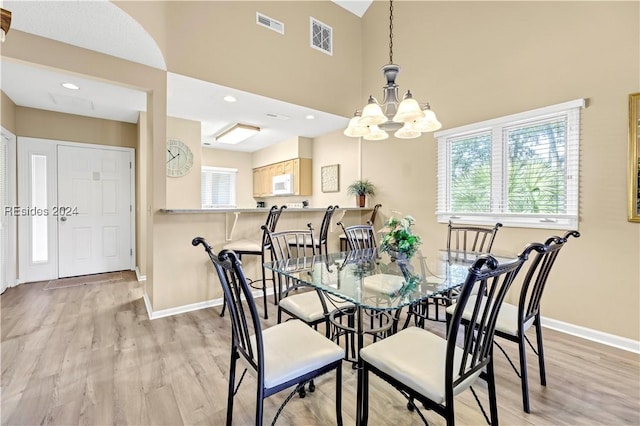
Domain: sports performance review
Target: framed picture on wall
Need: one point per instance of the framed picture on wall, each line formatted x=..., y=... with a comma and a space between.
x=330, y=178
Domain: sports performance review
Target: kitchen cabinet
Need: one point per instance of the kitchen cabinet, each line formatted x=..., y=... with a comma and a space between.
x=300, y=168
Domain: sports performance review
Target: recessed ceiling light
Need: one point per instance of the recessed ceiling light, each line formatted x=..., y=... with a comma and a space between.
x=70, y=86
x=310, y=117
x=229, y=98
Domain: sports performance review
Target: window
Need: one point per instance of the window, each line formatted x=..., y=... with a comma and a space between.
x=521, y=170
x=218, y=187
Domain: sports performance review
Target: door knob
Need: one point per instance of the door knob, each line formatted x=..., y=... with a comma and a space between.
x=63, y=219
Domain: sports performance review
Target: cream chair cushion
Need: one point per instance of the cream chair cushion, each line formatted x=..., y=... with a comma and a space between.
x=417, y=358
x=244, y=246
x=292, y=349
x=308, y=307
x=507, y=322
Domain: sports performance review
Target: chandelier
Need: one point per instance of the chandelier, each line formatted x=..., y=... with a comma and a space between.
x=409, y=119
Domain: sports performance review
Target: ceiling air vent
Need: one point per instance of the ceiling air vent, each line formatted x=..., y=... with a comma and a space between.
x=270, y=23
x=321, y=36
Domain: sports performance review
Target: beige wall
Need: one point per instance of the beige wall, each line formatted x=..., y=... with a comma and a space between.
x=240, y=54
x=235, y=160
x=183, y=192
x=471, y=60
x=335, y=148
x=8, y=115
x=481, y=60
x=38, y=123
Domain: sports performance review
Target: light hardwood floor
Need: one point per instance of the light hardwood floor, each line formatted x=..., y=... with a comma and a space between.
x=89, y=355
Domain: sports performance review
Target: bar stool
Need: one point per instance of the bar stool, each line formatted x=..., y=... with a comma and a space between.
x=320, y=243
x=371, y=221
x=259, y=248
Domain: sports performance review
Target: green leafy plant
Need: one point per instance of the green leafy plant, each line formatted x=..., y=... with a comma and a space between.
x=362, y=187
x=398, y=236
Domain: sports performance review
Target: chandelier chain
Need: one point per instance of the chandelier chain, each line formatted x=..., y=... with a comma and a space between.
x=391, y=31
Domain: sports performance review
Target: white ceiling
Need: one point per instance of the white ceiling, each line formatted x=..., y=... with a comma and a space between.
x=37, y=87
x=202, y=101
x=101, y=26
x=357, y=7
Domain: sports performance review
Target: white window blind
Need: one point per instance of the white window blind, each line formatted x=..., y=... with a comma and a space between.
x=218, y=187
x=521, y=170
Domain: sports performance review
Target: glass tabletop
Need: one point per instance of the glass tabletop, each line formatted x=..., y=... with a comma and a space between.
x=373, y=280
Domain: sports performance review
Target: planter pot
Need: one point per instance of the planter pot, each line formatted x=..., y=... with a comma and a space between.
x=361, y=200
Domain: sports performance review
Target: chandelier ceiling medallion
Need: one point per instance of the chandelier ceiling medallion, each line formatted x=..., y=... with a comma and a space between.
x=409, y=119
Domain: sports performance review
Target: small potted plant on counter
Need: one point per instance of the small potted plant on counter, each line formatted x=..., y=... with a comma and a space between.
x=361, y=188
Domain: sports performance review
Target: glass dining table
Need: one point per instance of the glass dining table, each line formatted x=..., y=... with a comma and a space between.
x=375, y=283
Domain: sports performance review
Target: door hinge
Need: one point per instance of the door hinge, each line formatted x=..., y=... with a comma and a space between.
x=130, y=208
x=131, y=252
x=129, y=164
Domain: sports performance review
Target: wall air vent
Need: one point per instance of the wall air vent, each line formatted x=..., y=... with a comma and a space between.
x=270, y=23
x=321, y=36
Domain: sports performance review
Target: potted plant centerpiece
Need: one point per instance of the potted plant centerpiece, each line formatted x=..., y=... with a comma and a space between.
x=361, y=188
x=398, y=238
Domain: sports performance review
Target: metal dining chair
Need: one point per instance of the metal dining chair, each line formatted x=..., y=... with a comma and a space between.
x=296, y=250
x=477, y=239
x=514, y=320
x=443, y=368
x=286, y=355
x=460, y=238
x=359, y=237
x=343, y=238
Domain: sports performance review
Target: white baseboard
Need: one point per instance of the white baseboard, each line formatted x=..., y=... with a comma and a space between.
x=593, y=335
x=140, y=277
x=563, y=327
x=191, y=307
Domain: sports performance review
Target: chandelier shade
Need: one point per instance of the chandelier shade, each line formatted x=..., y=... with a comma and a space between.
x=355, y=129
x=408, y=119
x=376, y=134
x=5, y=23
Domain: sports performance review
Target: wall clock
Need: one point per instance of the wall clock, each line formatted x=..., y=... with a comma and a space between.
x=179, y=158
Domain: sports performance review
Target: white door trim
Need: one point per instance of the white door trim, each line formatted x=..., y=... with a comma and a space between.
x=54, y=144
x=11, y=248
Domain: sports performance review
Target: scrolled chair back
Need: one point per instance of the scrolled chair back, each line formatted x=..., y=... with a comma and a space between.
x=323, y=237
x=272, y=220
x=485, y=276
x=537, y=275
x=245, y=321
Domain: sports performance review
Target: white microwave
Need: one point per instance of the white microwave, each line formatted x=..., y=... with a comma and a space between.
x=282, y=185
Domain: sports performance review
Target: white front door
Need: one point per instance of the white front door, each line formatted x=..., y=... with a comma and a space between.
x=93, y=210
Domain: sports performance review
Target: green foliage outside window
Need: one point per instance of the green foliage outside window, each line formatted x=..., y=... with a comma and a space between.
x=535, y=182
